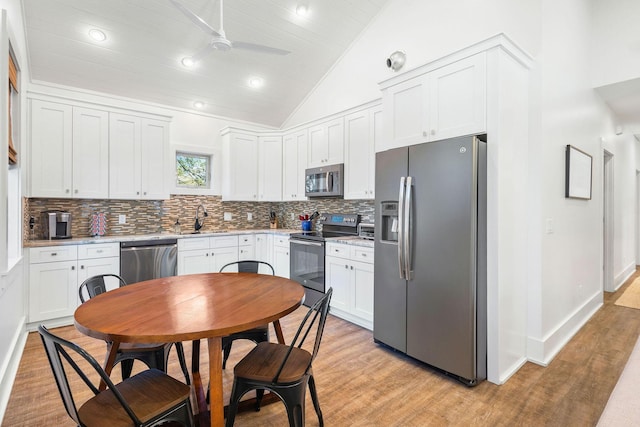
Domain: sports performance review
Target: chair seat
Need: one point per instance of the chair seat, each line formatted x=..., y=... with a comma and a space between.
x=262, y=363
x=148, y=393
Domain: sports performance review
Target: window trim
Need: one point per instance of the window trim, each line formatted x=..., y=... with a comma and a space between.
x=196, y=151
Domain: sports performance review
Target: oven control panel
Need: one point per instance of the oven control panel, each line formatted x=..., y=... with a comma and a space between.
x=347, y=220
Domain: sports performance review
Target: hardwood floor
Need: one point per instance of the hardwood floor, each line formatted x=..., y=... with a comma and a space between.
x=363, y=384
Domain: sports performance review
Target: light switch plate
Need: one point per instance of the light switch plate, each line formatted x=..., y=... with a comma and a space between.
x=249, y=217
x=122, y=219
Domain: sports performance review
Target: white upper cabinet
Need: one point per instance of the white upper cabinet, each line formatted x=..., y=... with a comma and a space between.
x=69, y=151
x=137, y=150
x=361, y=130
x=326, y=143
x=239, y=166
x=295, y=162
x=446, y=102
x=270, y=168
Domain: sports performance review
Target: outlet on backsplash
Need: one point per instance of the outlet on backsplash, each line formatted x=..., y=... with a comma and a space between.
x=227, y=216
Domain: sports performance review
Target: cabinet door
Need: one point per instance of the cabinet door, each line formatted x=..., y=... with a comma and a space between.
x=457, y=97
x=246, y=253
x=124, y=156
x=194, y=262
x=94, y=266
x=338, y=277
x=51, y=149
x=263, y=248
x=240, y=165
x=326, y=143
x=153, y=150
x=281, y=261
x=53, y=290
x=270, y=169
x=362, y=290
x=359, y=152
x=222, y=256
x=90, y=153
x=295, y=164
x=405, y=107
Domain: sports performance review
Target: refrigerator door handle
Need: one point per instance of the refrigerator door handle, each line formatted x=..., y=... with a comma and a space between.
x=407, y=229
x=401, y=261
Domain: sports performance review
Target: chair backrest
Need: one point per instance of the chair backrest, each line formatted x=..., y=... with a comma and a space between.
x=249, y=266
x=319, y=310
x=95, y=285
x=58, y=348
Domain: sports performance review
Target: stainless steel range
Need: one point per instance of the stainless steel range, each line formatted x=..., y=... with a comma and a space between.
x=307, y=252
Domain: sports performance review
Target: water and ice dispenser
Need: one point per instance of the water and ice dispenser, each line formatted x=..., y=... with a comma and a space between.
x=389, y=229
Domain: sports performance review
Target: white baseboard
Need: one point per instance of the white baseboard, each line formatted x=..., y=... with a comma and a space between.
x=9, y=371
x=542, y=351
x=624, y=275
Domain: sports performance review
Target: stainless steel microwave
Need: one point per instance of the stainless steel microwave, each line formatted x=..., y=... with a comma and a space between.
x=325, y=181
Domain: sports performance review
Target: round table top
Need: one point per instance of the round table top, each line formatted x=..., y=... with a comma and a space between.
x=189, y=307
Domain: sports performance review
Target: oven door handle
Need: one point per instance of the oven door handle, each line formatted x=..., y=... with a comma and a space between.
x=300, y=242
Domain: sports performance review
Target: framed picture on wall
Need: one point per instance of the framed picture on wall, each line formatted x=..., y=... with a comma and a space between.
x=579, y=167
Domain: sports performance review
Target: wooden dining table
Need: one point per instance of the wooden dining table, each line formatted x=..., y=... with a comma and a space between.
x=190, y=308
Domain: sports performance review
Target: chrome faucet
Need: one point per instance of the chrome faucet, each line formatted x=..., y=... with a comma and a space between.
x=199, y=223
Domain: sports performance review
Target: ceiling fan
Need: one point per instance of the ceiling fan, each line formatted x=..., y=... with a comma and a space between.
x=219, y=40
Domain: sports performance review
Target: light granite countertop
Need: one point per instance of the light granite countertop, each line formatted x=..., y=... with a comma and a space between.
x=127, y=238
x=352, y=240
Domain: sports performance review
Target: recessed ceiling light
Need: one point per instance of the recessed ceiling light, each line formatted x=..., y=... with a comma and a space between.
x=256, y=82
x=199, y=105
x=97, y=35
x=302, y=10
x=188, y=62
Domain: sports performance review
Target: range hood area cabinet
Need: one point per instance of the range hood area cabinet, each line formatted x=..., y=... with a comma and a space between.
x=80, y=152
x=251, y=166
x=69, y=151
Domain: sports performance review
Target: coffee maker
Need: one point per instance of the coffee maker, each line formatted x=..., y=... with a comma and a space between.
x=56, y=224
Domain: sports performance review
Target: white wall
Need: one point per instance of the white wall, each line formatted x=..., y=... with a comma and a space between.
x=616, y=45
x=12, y=287
x=425, y=30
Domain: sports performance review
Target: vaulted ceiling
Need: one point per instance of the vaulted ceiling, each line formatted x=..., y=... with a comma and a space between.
x=147, y=39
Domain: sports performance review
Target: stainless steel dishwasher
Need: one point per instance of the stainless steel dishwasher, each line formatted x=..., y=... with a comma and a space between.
x=148, y=259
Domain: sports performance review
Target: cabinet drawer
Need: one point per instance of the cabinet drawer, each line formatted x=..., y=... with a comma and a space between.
x=246, y=239
x=337, y=250
x=53, y=253
x=193, y=244
x=362, y=254
x=100, y=250
x=281, y=241
x=223, y=242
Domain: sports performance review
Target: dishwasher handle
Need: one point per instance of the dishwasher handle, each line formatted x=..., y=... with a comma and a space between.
x=148, y=243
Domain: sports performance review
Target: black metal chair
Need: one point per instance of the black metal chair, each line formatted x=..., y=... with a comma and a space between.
x=258, y=334
x=283, y=369
x=147, y=399
x=153, y=355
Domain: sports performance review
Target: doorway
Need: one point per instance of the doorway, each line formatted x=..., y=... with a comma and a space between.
x=607, y=219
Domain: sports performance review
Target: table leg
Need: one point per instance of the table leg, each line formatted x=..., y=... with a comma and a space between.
x=216, y=402
x=278, y=328
x=112, y=352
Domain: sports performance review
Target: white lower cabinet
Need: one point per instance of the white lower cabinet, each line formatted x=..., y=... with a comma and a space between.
x=206, y=254
x=247, y=247
x=281, y=256
x=56, y=272
x=349, y=271
x=264, y=247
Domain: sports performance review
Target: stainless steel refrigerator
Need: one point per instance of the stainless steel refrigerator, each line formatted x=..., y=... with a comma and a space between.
x=430, y=254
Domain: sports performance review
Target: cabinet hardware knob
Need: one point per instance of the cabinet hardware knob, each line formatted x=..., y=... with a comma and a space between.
x=352, y=267
x=424, y=133
x=364, y=255
x=137, y=193
x=346, y=266
x=99, y=251
x=145, y=193
x=82, y=267
x=73, y=267
x=66, y=191
x=207, y=254
x=75, y=191
x=433, y=131
x=54, y=253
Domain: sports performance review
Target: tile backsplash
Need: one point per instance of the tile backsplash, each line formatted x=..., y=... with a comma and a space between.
x=157, y=216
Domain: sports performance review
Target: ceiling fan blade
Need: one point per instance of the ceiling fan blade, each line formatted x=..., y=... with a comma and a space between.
x=259, y=48
x=201, y=23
